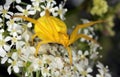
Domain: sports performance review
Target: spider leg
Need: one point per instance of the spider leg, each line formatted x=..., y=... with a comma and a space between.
x=75, y=34
x=39, y=44
x=70, y=54
x=86, y=37
x=26, y=18
x=77, y=37
x=33, y=37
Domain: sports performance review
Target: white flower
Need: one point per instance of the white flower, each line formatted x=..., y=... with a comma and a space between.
x=93, y=51
x=15, y=39
x=27, y=53
x=60, y=11
x=36, y=64
x=3, y=45
x=1, y=31
x=13, y=27
x=15, y=63
x=18, y=1
x=26, y=36
x=94, y=55
x=27, y=11
x=8, y=2
x=57, y=63
x=37, y=2
x=47, y=59
x=47, y=48
x=56, y=73
x=4, y=11
x=4, y=59
x=36, y=7
x=47, y=6
x=83, y=57
x=11, y=22
x=94, y=47
x=45, y=71
x=66, y=72
x=85, y=72
x=0, y=20
x=29, y=25
x=103, y=71
x=51, y=1
x=2, y=52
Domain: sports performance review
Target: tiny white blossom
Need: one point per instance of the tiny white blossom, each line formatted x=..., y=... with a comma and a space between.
x=27, y=11
x=26, y=36
x=9, y=2
x=4, y=11
x=83, y=56
x=51, y=1
x=36, y=64
x=60, y=11
x=36, y=7
x=15, y=39
x=93, y=51
x=94, y=55
x=3, y=60
x=45, y=72
x=103, y=71
x=57, y=63
x=25, y=55
x=37, y=2
x=0, y=20
x=3, y=45
x=1, y=31
x=15, y=63
x=47, y=6
x=13, y=27
x=11, y=22
x=85, y=72
x=29, y=25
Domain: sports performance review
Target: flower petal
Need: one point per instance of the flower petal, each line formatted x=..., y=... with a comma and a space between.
x=15, y=56
x=89, y=70
x=19, y=8
x=2, y=52
x=9, y=69
x=42, y=13
x=7, y=47
x=3, y=60
x=18, y=1
x=28, y=7
x=16, y=69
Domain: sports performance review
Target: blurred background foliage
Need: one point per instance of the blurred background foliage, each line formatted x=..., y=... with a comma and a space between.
x=108, y=33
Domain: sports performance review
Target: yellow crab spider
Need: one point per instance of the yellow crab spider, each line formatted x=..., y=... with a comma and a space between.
x=53, y=30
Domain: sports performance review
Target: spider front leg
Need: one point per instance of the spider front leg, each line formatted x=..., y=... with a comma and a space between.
x=33, y=37
x=69, y=54
x=39, y=44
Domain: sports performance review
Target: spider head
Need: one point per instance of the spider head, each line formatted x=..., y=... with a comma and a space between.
x=63, y=39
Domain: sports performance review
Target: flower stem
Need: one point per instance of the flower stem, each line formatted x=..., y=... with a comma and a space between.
x=37, y=74
x=23, y=3
x=3, y=22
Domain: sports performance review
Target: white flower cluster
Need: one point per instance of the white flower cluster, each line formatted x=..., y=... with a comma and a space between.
x=16, y=46
x=40, y=6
